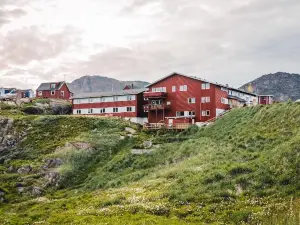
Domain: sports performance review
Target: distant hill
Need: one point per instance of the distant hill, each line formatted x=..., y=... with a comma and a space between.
x=283, y=86
x=96, y=83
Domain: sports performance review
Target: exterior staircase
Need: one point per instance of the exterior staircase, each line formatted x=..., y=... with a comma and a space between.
x=212, y=120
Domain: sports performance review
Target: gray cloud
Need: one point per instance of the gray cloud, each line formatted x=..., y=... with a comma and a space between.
x=229, y=41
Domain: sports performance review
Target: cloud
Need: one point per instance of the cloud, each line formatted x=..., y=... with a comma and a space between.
x=229, y=41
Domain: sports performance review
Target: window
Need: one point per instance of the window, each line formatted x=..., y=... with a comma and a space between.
x=153, y=90
x=102, y=110
x=173, y=88
x=90, y=100
x=78, y=101
x=159, y=89
x=115, y=110
x=115, y=98
x=52, y=92
x=205, y=113
x=164, y=89
x=156, y=102
x=53, y=85
x=205, y=99
x=192, y=113
x=179, y=114
x=40, y=93
x=90, y=111
x=168, y=103
x=224, y=100
x=78, y=111
x=191, y=100
x=205, y=86
x=129, y=109
x=129, y=98
x=183, y=88
x=62, y=93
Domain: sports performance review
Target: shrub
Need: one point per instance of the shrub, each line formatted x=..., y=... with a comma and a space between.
x=31, y=110
x=61, y=109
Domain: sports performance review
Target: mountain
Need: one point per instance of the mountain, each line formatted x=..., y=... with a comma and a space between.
x=283, y=86
x=99, y=83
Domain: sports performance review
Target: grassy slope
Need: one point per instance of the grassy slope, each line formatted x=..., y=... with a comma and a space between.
x=243, y=169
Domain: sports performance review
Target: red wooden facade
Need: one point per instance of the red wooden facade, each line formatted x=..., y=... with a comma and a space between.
x=125, y=103
x=179, y=98
x=59, y=91
x=265, y=99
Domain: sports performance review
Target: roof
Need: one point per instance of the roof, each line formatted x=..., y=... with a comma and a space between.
x=47, y=86
x=236, y=98
x=110, y=93
x=203, y=80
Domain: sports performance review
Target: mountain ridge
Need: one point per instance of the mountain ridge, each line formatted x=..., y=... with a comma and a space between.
x=282, y=85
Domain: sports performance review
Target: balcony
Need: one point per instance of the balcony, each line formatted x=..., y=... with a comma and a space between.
x=153, y=95
x=150, y=107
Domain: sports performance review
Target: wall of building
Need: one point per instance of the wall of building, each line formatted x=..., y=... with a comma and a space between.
x=56, y=93
x=178, y=100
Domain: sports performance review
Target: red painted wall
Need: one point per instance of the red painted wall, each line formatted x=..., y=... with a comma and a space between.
x=179, y=99
x=47, y=94
x=218, y=99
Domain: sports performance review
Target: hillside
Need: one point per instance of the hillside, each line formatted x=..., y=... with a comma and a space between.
x=100, y=83
x=244, y=169
x=283, y=86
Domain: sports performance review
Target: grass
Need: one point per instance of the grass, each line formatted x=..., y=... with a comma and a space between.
x=243, y=169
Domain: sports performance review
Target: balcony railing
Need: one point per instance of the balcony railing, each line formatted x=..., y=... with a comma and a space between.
x=155, y=95
x=150, y=107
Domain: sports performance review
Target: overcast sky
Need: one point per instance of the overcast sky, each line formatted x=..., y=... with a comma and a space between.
x=227, y=41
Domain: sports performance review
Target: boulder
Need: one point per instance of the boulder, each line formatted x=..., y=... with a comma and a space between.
x=24, y=170
x=147, y=144
x=52, y=178
x=130, y=130
x=36, y=191
x=52, y=163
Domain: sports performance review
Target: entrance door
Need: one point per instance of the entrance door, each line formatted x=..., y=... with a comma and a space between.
x=171, y=121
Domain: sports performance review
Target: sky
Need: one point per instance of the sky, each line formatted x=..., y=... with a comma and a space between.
x=230, y=42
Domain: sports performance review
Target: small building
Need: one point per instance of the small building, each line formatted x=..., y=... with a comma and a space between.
x=124, y=103
x=4, y=91
x=179, y=99
x=29, y=93
x=58, y=90
x=265, y=99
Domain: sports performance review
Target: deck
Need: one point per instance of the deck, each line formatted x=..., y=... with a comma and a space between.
x=160, y=126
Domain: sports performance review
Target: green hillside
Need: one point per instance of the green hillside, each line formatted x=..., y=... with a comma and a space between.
x=244, y=169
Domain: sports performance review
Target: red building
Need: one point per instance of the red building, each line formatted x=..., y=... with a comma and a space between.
x=54, y=90
x=125, y=103
x=265, y=99
x=181, y=99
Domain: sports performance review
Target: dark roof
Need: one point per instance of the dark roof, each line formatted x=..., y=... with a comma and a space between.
x=203, y=80
x=236, y=98
x=47, y=86
x=110, y=93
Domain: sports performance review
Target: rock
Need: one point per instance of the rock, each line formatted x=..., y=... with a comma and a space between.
x=147, y=144
x=20, y=190
x=52, y=178
x=52, y=163
x=2, y=193
x=130, y=130
x=122, y=137
x=24, y=170
x=36, y=191
x=11, y=169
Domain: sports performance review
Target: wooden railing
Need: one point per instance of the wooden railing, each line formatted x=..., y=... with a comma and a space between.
x=159, y=126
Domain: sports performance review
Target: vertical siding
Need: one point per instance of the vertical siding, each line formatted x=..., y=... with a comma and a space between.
x=179, y=99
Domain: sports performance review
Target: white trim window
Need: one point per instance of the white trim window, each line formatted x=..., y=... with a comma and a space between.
x=205, y=86
x=62, y=94
x=205, y=99
x=102, y=110
x=53, y=85
x=205, y=113
x=40, y=93
x=90, y=100
x=78, y=111
x=52, y=92
x=78, y=101
x=173, y=88
x=183, y=88
x=224, y=101
x=179, y=114
x=191, y=100
x=115, y=98
x=90, y=111
x=115, y=110
x=129, y=109
x=192, y=113
x=129, y=98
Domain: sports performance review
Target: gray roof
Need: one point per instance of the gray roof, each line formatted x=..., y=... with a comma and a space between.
x=47, y=86
x=203, y=80
x=110, y=93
